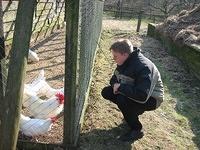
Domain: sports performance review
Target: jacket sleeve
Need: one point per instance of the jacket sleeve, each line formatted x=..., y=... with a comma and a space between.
x=113, y=80
x=139, y=91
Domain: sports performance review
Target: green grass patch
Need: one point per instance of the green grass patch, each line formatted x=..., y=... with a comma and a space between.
x=181, y=106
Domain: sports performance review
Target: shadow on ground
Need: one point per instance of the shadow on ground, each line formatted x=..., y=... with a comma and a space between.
x=102, y=139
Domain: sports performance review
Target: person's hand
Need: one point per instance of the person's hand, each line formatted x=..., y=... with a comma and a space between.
x=115, y=88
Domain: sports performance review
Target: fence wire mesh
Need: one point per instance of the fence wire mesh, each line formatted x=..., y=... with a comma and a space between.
x=90, y=28
x=43, y=90
x=48, y=16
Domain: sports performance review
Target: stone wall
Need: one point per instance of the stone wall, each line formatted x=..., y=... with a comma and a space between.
x=189, y=55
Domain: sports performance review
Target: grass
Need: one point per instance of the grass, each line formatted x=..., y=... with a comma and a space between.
x=178, y=110
x=174, y=125
x=181, y=107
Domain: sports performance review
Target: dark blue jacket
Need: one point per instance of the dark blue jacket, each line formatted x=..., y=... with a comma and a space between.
x=139, y=78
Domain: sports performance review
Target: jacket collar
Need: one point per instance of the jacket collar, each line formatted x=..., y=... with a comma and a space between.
x=132, y=55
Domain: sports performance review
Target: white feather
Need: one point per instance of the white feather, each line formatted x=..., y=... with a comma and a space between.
x=41, y=108
x=28, y=96
x=44, y=109
x=41, y=87
x=34, y=127
x=33, y=56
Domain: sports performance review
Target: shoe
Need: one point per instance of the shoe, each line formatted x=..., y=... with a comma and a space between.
x=131, y=136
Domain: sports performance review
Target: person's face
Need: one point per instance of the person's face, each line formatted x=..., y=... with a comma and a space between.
x=119, y=58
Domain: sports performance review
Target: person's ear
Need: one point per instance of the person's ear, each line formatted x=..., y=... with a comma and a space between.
x=125, y=54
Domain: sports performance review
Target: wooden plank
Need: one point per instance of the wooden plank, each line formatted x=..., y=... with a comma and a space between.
x=71, y=55
x=16, y=74
x=2, y=52
x=2, y=46
x=2, y=69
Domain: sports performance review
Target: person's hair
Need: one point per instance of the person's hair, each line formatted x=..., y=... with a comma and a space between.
x=122, y=46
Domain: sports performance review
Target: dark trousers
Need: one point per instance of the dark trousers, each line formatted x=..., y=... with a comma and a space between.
x=130, y=109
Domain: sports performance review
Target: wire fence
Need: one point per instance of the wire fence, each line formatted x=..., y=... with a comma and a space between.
x=48, y=16
x=90, y=28
x=132, y=12
x=43, y=93
x=40, y=103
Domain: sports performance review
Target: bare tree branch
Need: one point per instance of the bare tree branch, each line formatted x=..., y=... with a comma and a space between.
x=157, y=8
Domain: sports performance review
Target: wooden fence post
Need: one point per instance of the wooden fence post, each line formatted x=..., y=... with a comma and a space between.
x=2, y=52
x=139, y=21
x=71, y=56
x=121, y=8
x=16, y=74
x=2, y=69
x=154, y=19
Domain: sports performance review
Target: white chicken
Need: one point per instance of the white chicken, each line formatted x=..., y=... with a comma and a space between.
x=33, y=56
x=28, y=95
x=35, y=127
x=41, y=87
x=44, y=109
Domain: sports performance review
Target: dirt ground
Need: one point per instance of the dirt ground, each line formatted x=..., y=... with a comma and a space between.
x=184, y=28
x=51, y=53
x=169, y=127
x=163, y=128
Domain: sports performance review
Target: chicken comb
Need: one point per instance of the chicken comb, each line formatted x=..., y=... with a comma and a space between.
x=60, y=97
x=53, y=119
